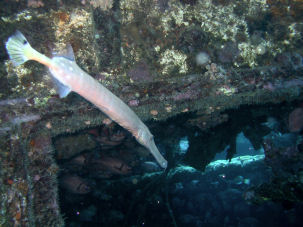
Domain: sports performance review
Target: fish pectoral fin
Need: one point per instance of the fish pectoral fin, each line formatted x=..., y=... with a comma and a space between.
x=61, y=89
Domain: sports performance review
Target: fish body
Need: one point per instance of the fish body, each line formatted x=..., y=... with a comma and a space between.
x=111, y=165
x=75, y=184
x=70, y=77
x=150, y=167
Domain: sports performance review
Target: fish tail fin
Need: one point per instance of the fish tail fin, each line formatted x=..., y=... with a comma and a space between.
x=18, y=48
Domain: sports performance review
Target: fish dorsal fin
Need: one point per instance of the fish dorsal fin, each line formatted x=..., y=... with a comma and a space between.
x=66, y=53
x=61, y=89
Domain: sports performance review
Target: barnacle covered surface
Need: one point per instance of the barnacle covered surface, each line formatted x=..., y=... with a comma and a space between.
x=145, y=53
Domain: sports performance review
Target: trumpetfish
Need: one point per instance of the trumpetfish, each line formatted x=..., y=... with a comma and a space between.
x=68, y=76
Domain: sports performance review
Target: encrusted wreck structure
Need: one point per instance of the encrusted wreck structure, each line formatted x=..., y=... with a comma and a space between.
x=207, y=61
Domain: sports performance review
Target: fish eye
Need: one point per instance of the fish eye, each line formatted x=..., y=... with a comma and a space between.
x=24, y=42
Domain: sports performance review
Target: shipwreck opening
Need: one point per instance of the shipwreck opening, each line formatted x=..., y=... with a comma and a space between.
x=106, y=177
x=103, y=176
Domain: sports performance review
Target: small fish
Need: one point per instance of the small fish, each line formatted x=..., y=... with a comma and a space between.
x=110, y=165
x=150, y=167
x=75, y=184
x=68, y=77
